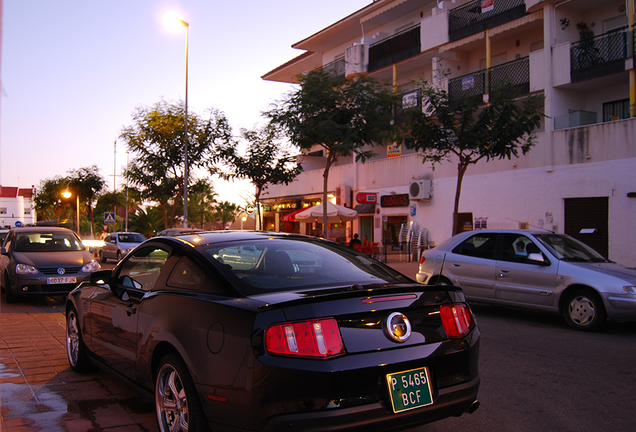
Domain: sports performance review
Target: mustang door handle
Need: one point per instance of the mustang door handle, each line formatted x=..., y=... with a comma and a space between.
x=130, y=309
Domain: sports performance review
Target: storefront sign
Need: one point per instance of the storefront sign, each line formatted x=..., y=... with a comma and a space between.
x=412, y=210
x=487, y=5
x=401, y=200
x=393, y=150
x=367, y=198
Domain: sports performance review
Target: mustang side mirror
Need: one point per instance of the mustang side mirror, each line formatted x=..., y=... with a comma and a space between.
x=3, y=251
x=101, y=277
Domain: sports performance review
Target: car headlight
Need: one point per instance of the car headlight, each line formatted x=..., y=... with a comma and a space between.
x=630, y=289
x=91, y=267
x=25, y=269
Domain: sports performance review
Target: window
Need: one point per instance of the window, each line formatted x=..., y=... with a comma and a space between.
x=480, y=246
x=27, y=211
x=3, y=210
x=141, y=270
x=186, y=275
x=616, y=110
x=516, y=248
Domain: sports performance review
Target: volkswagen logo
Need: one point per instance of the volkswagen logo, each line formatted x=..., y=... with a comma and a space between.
x=397, y=327
x=61, y=271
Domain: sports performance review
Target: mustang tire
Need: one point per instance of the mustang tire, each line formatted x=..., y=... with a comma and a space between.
x=75, y=348
x=176, y=402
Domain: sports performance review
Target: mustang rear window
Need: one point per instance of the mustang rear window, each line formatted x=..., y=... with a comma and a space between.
x=273, y=264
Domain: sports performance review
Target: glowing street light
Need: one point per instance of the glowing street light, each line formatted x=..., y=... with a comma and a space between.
x=173, y=23
x=67, y=194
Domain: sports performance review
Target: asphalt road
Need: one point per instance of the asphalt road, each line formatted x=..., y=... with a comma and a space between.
x=539, y=375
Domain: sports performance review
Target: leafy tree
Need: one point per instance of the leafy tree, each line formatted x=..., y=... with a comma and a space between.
x=225, y=212
x=88, y=183
x=156, y=142
x=341, y=117
x=265, y=162
x=201, y=202
x=147, y=222
x=469, y=132
x=48, y=201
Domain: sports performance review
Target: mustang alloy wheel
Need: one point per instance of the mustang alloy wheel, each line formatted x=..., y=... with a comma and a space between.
x=178, y=408
x=75, y=348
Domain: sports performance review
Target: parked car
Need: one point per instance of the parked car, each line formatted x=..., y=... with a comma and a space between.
x=3, y=235
x=119, y=244
x=171, y=232
x=311, y=336
x=40, y=261
x=534, y=269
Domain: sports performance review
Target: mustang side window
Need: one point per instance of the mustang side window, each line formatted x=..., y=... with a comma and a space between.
x=142, y=269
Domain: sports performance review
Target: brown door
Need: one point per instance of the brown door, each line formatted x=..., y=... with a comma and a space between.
x=592, y=216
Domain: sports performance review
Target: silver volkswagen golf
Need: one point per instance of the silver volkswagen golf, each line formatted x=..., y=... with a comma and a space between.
x=534, y=269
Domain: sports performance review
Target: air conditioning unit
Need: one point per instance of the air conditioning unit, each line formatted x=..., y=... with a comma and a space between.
x=420, y=189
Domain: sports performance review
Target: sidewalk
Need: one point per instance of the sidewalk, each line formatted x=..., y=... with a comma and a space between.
x=39, y=391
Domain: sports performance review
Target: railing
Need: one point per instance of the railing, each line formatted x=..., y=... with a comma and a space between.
x=515, y=73
x=336, y=69
x=472, y=18
x=595, y=57
x=395, y=48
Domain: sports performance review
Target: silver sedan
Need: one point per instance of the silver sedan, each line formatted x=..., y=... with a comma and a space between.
x=534, y=269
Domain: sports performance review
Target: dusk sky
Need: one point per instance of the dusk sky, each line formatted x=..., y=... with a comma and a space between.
x=73, y=72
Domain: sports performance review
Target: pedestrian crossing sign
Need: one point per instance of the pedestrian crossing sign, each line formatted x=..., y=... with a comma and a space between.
x=109, y=218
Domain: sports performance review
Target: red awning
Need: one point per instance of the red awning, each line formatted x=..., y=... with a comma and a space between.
x=291, y=217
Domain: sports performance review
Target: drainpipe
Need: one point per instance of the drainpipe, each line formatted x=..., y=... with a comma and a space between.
x=488, y=61
x=632, y=71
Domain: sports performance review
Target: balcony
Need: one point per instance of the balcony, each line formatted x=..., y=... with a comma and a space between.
x=472, y=18
x=336, y=69
x=515, y=73
x=394, y=49
x=595, y=57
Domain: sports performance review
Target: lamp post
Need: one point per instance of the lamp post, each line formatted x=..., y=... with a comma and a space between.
x=67, y=194
x=170, y=20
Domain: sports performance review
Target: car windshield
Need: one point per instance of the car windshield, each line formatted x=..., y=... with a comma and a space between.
x=261, y=266
x=131, y=238
x=569, y=249
x=47, y=242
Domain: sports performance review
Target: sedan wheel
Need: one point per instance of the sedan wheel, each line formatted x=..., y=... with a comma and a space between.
x=102, y=258
x=176, y=401
x=584, y=311
x=75, y=348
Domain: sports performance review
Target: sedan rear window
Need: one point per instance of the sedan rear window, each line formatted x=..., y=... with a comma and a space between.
x=274, y=265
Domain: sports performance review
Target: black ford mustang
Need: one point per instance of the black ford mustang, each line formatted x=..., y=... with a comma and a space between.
x=265, y=331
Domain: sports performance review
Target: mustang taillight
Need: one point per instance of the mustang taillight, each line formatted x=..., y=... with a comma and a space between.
x=314, y=338
x=457, y=319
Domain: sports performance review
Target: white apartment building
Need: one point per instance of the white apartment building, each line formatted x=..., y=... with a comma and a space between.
x=581, y=173
x=16, y=207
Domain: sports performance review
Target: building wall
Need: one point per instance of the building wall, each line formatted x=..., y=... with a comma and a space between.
x=597, y=160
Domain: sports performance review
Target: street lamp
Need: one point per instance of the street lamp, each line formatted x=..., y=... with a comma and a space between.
x=67, y=194
x=173, y=22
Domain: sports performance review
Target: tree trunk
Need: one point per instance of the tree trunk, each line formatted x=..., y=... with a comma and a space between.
x=461, y=171
x=325, y=174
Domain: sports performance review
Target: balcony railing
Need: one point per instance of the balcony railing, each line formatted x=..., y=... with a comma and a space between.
x=472, y=17
x=336, y=69
x=395, y=48
x=515, y=73
x=595, y=57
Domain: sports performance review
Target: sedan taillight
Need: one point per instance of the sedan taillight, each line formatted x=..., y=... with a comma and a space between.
x=457, y=319
x=315, y=338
